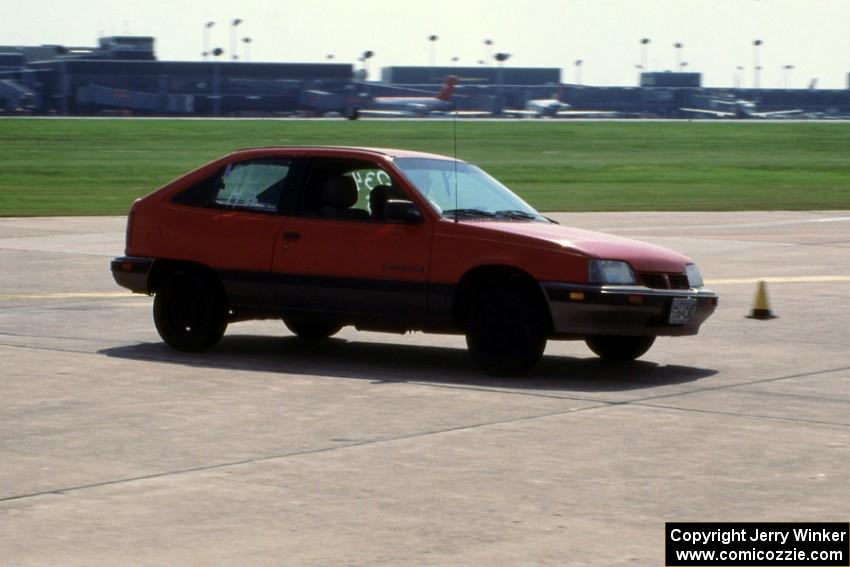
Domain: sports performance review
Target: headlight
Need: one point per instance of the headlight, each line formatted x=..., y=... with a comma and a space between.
x=694, y=277
x=611, y=272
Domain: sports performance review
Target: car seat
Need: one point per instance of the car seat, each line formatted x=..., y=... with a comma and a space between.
x=338, y=195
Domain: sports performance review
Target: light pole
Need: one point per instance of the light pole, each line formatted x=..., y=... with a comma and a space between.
x=432, y=40
x=247, y=42
x=756, y=64
x=233, y=25
x=488, y=49
x=578, y=65
x=329, y=56
x=787, y=69
x=501, y=58
x=368, y=54
x=644, y=58
x=737, y=77
x=216, y=83
x=678, y=45
x=644, y=48
x=207, y=27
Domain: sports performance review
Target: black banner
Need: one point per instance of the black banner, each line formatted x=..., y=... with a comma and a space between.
x=757, y=544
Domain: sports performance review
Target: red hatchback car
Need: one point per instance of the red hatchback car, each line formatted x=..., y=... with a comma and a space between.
x=394, y=240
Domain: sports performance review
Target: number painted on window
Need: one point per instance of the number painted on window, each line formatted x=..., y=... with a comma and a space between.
x=368, y=179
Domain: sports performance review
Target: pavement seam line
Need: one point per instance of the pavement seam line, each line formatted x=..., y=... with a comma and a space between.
x=48, y=349
x=778, y=279
x=598, y=405
x=267, y=458
x=219, y=466
x=69, y=295
x=744, y=415
x=739, y=385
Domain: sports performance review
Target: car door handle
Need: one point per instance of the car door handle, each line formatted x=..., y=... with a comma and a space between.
x=291, y=236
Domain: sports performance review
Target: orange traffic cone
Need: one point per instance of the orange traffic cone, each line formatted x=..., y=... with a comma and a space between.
x=761, y=308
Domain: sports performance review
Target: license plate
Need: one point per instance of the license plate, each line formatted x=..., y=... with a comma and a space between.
x=682, y=310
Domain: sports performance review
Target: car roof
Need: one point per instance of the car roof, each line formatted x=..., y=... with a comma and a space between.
x=340, y=151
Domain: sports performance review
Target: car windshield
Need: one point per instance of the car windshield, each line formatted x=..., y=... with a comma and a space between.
x=461, y=191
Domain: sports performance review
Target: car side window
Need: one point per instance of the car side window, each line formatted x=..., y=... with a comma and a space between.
x=256, y=185
x=347, y=190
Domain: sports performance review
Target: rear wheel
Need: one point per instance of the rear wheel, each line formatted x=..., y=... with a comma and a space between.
x=312, y=329
x=505, y=333
x=619, y=349
x=189, y=312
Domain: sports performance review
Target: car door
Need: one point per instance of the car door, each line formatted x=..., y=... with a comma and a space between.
x=231, y=223
x=338, y=255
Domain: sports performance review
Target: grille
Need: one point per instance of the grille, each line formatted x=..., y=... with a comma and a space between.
x=664, y=281
x=678, y=281
x=657, y=281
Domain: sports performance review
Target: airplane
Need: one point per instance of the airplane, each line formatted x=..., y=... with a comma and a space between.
x=740, y=108
x=411, y=105
x=545, y=107
x=555, y=108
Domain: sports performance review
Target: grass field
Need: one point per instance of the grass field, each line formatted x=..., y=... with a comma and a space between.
x=93, y=167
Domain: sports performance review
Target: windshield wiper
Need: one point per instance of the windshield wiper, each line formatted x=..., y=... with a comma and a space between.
x=468, y=213
x=516, y=214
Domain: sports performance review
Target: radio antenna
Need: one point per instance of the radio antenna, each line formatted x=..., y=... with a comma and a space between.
x=454, y=128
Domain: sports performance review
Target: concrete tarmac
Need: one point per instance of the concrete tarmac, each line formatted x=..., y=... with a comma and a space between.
x=375, y=449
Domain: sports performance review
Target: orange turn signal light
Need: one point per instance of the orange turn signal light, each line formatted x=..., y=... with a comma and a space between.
x=576, y=296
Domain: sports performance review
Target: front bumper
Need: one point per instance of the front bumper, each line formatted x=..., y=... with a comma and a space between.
x=582, y=310
x=132, y=272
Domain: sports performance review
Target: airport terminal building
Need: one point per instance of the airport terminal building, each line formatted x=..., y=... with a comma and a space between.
x=122, y=76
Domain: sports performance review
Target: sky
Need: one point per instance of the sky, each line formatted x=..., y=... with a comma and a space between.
x=717, y=35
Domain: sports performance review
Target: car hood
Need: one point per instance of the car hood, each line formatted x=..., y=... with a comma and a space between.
x=641, y=256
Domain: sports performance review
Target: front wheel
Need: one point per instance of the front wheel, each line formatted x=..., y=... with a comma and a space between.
x=189, y=313
x=619, y=349
x=505, y=333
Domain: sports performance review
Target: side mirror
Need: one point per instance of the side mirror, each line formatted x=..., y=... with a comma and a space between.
x=398, y=210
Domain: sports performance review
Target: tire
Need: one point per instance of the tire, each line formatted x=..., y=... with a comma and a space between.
x=189, y=312
x=312, y=329
x=505, y=332
x=619, y=349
